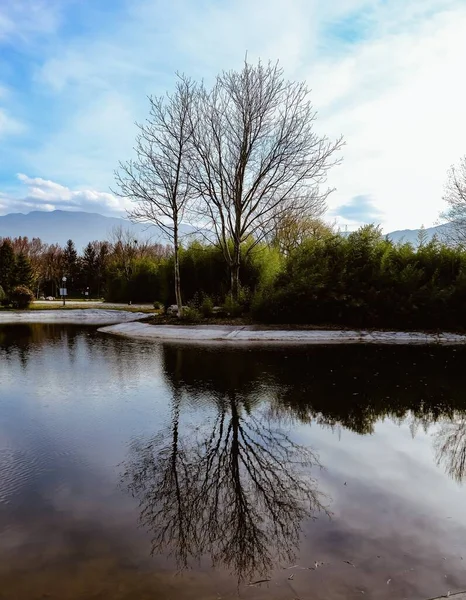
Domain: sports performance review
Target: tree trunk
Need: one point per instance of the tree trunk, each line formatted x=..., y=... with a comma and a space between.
x=234, y=273
x=179, y=301
x=235, y=287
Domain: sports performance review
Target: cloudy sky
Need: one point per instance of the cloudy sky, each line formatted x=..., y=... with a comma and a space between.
x=387, y=74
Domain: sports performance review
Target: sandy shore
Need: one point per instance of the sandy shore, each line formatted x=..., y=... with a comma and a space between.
x=247, y=335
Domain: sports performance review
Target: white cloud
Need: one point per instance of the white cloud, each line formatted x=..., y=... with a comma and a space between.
x=48, y=195
x=400, y=106
x=25, y=18
x=387, y=75
x=9, y=125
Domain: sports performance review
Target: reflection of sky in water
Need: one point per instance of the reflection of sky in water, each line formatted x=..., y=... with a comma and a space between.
x=73, y=401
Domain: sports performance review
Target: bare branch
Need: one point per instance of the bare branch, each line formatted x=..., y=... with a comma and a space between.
x=254, y=154
x=455, y=197
x=158, y=179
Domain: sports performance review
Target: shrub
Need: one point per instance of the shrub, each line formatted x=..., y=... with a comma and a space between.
x=3, y=297
x=207, y=307
x=232, y=307
x=364, y=280
x=159, y=306
x=191, y=314
x=21, y=297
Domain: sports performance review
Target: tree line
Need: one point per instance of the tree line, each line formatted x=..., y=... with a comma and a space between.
x=321, y=277
x=93, y=273
x=366, y=280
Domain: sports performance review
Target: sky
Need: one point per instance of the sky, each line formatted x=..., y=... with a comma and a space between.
x=388, y=75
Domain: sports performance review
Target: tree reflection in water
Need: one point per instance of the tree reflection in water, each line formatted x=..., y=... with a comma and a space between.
x=236, y=489
x=450, y=447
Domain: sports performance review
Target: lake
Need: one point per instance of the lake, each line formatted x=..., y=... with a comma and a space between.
x=137, y=470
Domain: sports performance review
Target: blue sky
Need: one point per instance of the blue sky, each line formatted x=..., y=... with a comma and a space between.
x=387, y=74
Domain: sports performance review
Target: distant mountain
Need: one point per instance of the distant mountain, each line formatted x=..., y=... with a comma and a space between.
x=59, y=226
x=411, y=235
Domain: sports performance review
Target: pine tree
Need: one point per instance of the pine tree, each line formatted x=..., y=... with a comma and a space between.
x=7, y=266
x=90, y=266
x=71, y=266
x=102, y=266
x=422, y=237
x=23, y=271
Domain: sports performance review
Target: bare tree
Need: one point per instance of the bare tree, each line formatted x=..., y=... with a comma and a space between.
x=450, y=447
x=125, y=249
x=157, y=180
x=53, y=265
x=256, y=156
x=455, y=197
x=290, y=230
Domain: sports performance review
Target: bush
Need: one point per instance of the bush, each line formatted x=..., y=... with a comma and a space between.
x=21, y=297
x=159, y=306
x=207, y=307
x=365, y=280
x=191, y=315
x=232, y=307
x=3, y=297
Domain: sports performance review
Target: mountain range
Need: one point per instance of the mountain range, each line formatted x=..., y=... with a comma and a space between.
x=58, y=226
x=411, y=235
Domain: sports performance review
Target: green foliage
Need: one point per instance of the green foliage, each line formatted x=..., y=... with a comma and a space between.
x=144, y=279
x=71, y=263
x=366, y=280
x=203, y=273
x=90, y=267
x=21, y=297
x=23, y=271
x=361, y=280
x=158, y=305
x=232, y=307
x=7, y=265
x=3, y=297
x=207, y=307
x=191, y=314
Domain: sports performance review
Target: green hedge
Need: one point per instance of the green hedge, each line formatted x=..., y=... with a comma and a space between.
x=365, y=280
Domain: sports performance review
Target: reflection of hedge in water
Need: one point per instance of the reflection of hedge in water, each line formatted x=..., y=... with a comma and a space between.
x=26, y=335
x=66, y=342
x=351, y=386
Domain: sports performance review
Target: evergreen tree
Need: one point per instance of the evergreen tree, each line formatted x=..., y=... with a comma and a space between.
x=23, y=271
x=422, y=237
x=90, y=265
x=7, y=265
x=71, y=265
x=102, y=266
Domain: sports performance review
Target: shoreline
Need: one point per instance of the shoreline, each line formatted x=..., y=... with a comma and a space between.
x=132, y=325
x=229, y=334
x=79, y=316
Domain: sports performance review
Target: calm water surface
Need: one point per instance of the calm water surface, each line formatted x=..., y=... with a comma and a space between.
x=133, y=470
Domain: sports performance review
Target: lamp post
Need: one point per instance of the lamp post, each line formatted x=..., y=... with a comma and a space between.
x=63, y=290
